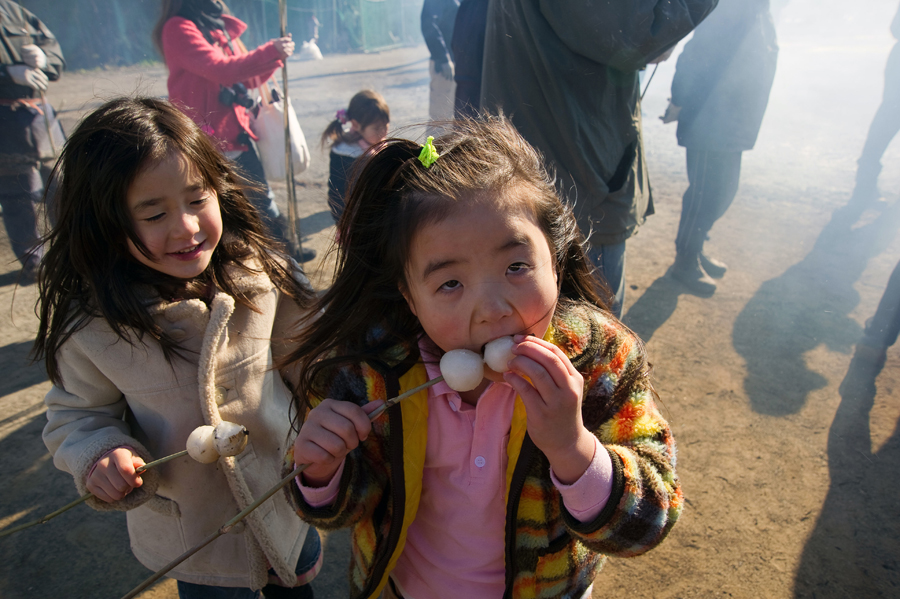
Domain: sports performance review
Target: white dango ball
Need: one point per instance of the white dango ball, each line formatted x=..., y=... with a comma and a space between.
x=200, y=445
x=498, y=353
x=230, y=438
x=462, y=369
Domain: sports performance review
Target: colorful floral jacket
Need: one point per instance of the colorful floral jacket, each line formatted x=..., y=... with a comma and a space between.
x=549, y=554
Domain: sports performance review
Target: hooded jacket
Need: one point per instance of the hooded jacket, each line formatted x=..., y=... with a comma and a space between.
x=549, y=553
x=566, y=73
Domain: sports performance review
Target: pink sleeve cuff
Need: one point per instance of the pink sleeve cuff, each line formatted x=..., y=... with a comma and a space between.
x=321, y=496
x=587, y=496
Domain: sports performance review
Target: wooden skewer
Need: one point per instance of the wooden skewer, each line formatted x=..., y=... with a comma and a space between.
x=225, y=528
x=85, y=497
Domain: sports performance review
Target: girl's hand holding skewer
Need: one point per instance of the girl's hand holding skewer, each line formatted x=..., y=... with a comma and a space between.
x=331, y=431
x=552, y=401
x=114, y=475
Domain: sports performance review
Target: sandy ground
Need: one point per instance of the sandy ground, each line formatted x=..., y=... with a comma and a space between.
x=788, y=447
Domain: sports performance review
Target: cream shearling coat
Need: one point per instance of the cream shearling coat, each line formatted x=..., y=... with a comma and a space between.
x=114, y=394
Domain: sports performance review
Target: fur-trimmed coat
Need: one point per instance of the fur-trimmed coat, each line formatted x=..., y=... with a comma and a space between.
x=114, y=394
x=549, y=554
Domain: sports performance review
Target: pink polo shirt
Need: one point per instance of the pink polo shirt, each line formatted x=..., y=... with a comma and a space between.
x=455, y=545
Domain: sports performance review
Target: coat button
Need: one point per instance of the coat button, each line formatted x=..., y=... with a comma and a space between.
x=178, y=334
x=221, y=394
x=480, y=462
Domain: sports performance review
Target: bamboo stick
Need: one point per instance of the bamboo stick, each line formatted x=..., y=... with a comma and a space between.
x=246, y=511
x=85, y=497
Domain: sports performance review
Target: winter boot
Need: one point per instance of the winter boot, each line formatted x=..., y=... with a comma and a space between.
x=714, y=268
x=688, y=272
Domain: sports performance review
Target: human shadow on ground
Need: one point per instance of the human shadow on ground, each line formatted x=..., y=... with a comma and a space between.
x=654, y=307
x=807, y=306
x=80, y=554
x=854, y=550
x=19, y=372
x=313, y=223
x=14, y=277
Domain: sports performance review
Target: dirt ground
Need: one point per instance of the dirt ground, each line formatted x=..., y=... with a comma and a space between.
x=788, y=441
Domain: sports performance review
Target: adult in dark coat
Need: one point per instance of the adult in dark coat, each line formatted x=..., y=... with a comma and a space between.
x=468, y=52
x=30, y=57
x=566, y=72
x=719, y=96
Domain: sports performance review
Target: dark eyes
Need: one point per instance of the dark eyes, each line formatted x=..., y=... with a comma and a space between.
x=514, y=268
x=199, y=202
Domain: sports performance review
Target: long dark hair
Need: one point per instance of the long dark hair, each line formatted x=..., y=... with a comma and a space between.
x=88, y=271
x=394, y=197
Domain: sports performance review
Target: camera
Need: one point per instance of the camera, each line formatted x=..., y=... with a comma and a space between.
x=236, y=94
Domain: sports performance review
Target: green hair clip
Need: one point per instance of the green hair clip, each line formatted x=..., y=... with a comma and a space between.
x=428, y=155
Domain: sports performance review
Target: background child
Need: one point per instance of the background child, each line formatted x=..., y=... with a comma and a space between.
x=516, y=488
x=158, y=275
x=369, y=118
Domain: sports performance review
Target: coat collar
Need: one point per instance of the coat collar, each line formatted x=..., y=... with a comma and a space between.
x=247, y=283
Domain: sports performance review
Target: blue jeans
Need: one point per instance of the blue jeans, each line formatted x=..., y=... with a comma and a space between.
x=309, y=555
x=610, y=262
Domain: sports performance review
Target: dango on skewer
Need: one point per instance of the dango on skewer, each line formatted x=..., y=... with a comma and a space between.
x=462, y=369
x=205, y=444
x=498, y=353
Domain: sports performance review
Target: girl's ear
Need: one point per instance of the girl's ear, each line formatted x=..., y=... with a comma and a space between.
x=408, y=298
x=354, y=125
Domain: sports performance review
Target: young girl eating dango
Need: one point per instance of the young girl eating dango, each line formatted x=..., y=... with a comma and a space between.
x=160, y=296
x=520, y=483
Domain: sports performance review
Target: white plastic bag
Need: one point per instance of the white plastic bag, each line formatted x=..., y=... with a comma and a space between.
x=310, y=51
x=268, y=126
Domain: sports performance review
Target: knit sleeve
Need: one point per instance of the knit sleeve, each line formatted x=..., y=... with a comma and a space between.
x=365, y=480
x=646, y=500
x=359, y=493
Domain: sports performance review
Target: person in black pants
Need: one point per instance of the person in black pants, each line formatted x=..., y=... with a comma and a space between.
x=468, y=52
x=719, y=96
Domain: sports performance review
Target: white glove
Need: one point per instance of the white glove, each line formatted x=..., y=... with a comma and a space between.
x=34, y=57
x=25, y=75
x=446, y=71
